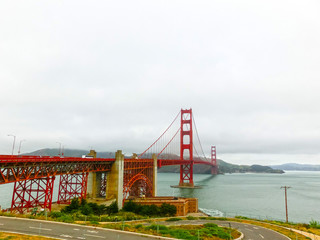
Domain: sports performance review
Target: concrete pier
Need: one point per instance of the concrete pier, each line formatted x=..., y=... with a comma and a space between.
x=155, y=175
x=114, y=187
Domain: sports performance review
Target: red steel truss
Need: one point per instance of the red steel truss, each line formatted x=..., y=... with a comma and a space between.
x=138, y=178
x=72, y=186
x=18, y=168
x=32, y=193
x=34, y=177
x=186, y=143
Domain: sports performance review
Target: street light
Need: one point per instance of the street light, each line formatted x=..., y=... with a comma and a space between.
x=14, y=142
x=59, y=148
x=20, y=146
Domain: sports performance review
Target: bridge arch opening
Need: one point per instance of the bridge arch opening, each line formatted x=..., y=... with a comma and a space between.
x=138, y=186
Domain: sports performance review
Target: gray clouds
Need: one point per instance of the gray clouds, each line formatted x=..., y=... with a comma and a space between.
x=112, y=75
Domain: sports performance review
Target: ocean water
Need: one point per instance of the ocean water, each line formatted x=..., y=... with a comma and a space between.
x=246, y=194
x=253, y=195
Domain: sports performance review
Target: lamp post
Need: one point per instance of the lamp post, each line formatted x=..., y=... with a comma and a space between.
x=14, y=142
x=20, y=146
x=59, y=148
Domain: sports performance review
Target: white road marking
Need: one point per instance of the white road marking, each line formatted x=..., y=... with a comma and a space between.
x=67, y=236
x=81, y=238
x=255, y=227
x=91, y=231
x=46, y=229
x=76, y=229
x=249, y=229
x=261, y=236
x=93, y=236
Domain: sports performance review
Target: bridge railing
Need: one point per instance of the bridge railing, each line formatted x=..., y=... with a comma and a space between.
x=23, y=159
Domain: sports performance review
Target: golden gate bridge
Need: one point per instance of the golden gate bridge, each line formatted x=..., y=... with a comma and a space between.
x=119, y=177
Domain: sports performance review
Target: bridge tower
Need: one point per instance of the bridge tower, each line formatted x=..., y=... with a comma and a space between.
x=186, y=144
x=214, y=168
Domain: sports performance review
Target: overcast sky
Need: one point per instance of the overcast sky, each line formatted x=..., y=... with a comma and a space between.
x=114, y=74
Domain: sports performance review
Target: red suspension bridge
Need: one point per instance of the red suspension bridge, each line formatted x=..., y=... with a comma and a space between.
x=119, y=177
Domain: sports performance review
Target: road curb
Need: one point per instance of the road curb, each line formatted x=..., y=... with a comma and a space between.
x=241, y=236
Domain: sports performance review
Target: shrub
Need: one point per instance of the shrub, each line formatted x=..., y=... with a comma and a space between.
x=314, y=224
x=55, y=214
x=157, y=227
x=65, y=218
x=72, y=207
x=210, y=225
x=138, y=226
x=150, y=210
x=168, y=209
x=173, y=219
x=113, y=208
x=86, y=210
x=191, y=218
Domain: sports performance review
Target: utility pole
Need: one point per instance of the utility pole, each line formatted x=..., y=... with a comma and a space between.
x=286, y=201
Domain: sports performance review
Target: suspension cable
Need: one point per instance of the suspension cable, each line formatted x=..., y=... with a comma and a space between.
x=160, y=136
x=199, y=138
x=169, y=141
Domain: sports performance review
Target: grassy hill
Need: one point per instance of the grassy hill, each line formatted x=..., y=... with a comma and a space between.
x=224, y=167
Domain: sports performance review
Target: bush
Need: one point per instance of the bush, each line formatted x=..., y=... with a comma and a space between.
x=191, y=218
x=157, y=227
x=168, y=209
x=138, y=226
x=314, y=224
x=173, y=219
x=113, y=208
x=86, y=210
x=150, y=210
x=210, y=225
x=55, y=214
x=65, y=218
x=72, y=207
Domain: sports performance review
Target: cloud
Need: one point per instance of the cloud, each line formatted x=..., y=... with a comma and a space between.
x=113, y=75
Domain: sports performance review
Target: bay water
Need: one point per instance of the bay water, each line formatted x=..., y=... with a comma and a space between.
x=257, y=195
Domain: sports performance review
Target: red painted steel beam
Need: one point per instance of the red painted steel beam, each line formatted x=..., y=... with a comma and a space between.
x=13, y=169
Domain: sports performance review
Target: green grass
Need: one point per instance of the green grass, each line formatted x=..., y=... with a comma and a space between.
x=173, y=219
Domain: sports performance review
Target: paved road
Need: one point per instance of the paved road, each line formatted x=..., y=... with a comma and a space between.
x=63, y=231
x=250, y=232
x=73, y=231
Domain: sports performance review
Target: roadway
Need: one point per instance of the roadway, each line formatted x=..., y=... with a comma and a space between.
x=64, y=231
x=72, y=231
x=250, y=232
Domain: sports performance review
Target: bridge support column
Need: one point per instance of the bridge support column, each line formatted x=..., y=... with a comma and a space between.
x=186, y=143
x=94, y=184
x=72, y=186
x=114, y=187
x=155, y=175
x=94, y=179
x=214, y=168
x=32, y=193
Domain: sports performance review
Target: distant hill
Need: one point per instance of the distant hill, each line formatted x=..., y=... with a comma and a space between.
x=224, y=167
x=68, y=153
x=297, y=167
